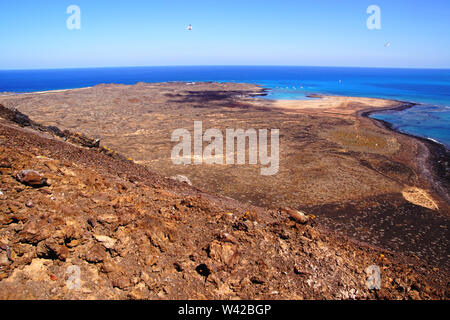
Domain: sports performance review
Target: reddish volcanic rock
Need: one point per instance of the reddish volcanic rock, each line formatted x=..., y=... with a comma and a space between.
x=32, y=178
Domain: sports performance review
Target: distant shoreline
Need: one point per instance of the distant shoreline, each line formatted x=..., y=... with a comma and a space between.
x=264, y=90
x=43, y=92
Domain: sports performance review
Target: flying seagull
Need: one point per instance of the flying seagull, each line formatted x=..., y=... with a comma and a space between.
x=189, y=27
x=388, y=44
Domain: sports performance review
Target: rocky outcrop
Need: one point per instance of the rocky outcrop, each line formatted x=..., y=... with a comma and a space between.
x=32, y=178
x=23, y=120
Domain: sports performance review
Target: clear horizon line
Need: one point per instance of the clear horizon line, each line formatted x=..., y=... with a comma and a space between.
x=224, y=65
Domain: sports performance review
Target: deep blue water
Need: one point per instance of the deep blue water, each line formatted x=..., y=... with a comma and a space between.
x=429, y=87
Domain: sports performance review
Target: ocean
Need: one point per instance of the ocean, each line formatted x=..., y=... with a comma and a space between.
x=429, y=88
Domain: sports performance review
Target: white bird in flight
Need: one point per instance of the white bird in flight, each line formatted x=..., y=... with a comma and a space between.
x=388, y=44
x=189, y=27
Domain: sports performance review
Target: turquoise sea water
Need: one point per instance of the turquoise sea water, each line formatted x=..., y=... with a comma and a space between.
x=428, y=87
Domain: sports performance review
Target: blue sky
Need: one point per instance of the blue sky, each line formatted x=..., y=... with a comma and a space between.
x=33, y=33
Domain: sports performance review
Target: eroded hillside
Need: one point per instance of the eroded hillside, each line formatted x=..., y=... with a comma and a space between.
x=133, y=234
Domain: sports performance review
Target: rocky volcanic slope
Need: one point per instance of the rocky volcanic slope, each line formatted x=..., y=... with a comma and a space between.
x=136, y=235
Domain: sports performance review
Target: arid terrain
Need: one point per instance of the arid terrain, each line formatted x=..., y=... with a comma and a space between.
x=373, y=197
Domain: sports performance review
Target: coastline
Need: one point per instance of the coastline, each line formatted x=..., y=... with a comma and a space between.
x=433, y=158
x=433, y=163
x=435, y=166
x=5, y=94
x=406, y=105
